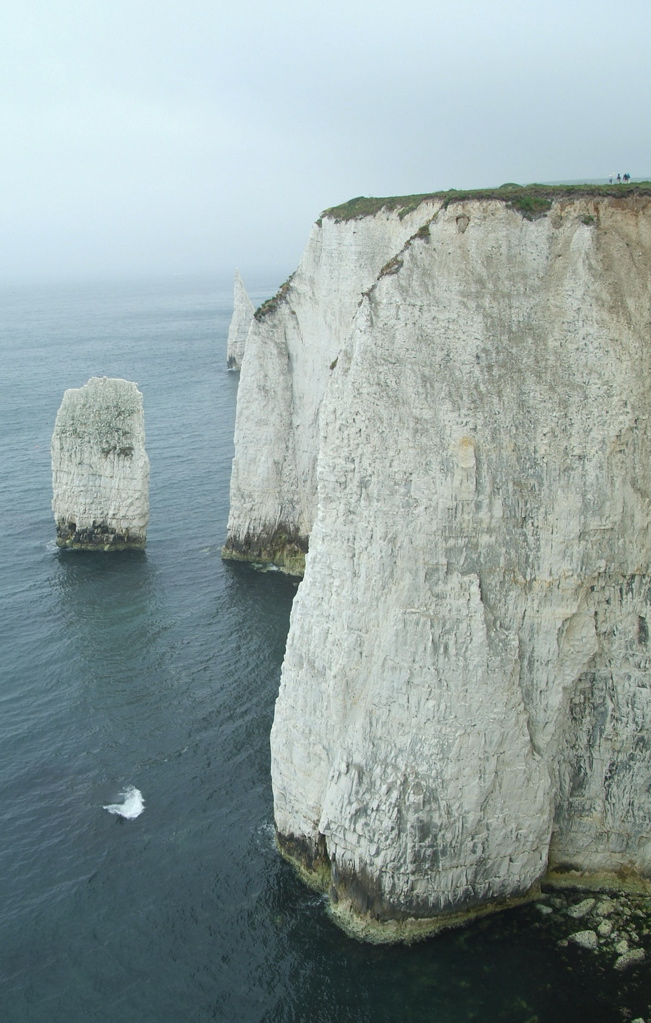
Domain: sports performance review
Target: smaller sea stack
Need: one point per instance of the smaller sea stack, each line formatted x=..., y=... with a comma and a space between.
x=100, y=469
x=240, y=325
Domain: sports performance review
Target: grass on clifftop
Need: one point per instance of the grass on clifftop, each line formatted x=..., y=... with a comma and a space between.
x=530, y=200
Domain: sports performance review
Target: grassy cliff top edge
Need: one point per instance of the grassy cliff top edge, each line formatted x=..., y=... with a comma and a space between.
x=532, y=201
x=532, y=196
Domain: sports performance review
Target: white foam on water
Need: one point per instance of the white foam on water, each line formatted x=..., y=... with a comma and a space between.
x=132, y=806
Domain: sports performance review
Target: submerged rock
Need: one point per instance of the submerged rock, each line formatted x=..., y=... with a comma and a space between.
x=100, y=469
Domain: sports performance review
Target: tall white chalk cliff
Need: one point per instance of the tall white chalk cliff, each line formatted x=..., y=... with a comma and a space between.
x=240, y=324
x=465, y=701
x=100, y=469
x=290, y=349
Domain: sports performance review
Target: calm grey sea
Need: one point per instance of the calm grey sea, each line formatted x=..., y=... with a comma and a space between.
x=160, y=670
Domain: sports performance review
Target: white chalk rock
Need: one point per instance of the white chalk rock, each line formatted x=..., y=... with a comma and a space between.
x=585, y=939
x=581, y=909
x=100, y=469
x=240, y=324
x=292, y=348
x=466, y=693
x=632, y=958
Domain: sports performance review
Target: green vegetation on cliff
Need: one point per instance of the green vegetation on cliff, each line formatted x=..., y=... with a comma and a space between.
x=529, y=200
x=271, y=303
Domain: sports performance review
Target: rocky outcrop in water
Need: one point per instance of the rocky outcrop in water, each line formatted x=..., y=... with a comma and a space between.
x=617, y=929
x=465, y=700
x=100, y=469
x=240, y=324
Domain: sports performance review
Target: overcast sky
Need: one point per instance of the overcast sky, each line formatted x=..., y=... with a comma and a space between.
x=160, y=136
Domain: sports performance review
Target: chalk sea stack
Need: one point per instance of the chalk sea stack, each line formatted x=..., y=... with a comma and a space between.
x=100, y=469
x=450, y=402
x=240, y=324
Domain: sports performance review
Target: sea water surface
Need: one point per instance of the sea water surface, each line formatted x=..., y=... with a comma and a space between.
x=156, y=672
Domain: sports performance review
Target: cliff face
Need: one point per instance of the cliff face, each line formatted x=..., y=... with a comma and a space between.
x=290, y=348
x=240, y=324
x=465, y=700
x=100, y=469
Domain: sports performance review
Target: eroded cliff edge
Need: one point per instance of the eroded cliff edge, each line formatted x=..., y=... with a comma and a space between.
x=466, y=696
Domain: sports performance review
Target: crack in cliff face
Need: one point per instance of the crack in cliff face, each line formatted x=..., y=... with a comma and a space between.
x=396, y=263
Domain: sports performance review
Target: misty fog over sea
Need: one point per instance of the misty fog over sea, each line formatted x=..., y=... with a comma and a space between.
x=148, y=680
